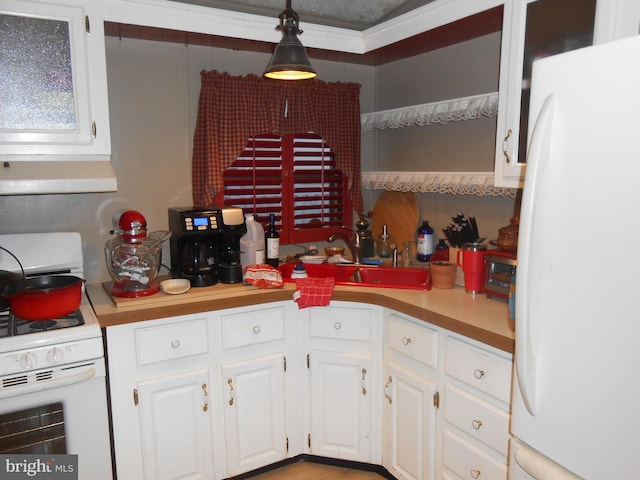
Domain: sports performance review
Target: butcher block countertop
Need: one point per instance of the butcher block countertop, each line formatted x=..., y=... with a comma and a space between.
x=476, y=317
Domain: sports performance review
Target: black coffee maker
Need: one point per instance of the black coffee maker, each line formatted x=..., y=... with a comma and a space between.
x=205, y=244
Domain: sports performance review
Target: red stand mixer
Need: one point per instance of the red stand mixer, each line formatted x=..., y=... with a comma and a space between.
x=133, y=257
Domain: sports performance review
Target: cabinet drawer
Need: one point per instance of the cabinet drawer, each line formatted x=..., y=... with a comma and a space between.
x=469, y=461
x=479, y=368
x=342, y=323
x=478, y=418
x=249, y=328
x=415, y=341
x=171, y=341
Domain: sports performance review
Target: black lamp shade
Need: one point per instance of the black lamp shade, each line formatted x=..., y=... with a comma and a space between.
x=289, y=60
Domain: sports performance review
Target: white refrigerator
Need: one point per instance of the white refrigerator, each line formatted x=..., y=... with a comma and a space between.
x=576, y=398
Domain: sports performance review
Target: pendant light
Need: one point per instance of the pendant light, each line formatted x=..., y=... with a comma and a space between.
x=289, y=60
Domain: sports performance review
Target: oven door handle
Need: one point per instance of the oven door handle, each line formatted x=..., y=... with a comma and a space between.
x=48, y=384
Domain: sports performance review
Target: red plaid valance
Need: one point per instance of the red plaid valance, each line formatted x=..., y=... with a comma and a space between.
x=231, y=109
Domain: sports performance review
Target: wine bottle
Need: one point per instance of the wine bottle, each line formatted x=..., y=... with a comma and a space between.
x=272, y=241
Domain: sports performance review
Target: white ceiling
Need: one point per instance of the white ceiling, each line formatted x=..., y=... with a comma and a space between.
x=351, y=14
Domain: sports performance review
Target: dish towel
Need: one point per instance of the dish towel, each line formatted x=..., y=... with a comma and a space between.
x=313, y=292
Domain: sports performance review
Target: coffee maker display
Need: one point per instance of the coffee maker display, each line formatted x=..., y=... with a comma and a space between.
x=205, y=244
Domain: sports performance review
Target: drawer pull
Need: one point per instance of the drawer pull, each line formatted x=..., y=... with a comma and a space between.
x=205, y=405
x=386, y=388
x=478, y=373
x=175, y=343
x=406, y=340
x=476, y=424
x=475, y=473
x=232, y=392
x=364, y=381
x=257, y=329
x=505, y=146
x=337, y=325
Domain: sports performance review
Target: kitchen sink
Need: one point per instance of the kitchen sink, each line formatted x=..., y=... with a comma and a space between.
x=366, y=275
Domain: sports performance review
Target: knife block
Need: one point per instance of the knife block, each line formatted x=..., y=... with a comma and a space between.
x=453, y=258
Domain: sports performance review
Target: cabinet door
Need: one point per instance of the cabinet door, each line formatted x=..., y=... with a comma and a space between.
x=175, y=426
x=532, y=29
x=53, y=92
x=254, y=412
x=340, y=405
x=409, y=424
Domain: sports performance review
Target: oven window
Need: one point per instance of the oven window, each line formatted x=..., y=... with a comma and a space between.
x=34, y=430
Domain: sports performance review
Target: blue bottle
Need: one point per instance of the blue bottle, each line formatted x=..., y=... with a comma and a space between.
x=425, y=242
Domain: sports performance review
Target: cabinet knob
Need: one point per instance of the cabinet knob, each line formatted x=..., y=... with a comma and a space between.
x=476, y=424
x=175, y=343
x=478, y=373
x=337, y=325
x=406, y=340
x=475, y=473
x=257, y=329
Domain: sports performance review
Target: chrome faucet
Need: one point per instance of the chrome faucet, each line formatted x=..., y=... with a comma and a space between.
x=352, y=242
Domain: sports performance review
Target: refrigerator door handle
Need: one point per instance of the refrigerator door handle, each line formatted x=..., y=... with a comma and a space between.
x=538, y=155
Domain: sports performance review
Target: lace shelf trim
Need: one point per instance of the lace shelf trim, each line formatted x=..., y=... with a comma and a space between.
x=457, y=183
x=467, y=108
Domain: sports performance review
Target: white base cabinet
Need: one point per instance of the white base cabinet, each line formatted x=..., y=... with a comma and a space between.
x=447, y=403
x=340, y=405
x=343, y=369
x=174, y=425
x=411, y=393
x=219, y=394
x=476, y=410
x=254, y=413
x=161, y=385
x=253, y=354
x=410, y=424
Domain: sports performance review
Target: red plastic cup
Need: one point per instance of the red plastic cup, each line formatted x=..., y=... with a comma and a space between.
x=471, y=259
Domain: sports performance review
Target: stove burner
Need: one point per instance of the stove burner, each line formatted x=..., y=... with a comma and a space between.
x=10, y=325
x=42, y=325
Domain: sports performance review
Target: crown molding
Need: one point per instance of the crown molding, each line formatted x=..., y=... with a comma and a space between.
x=225, y=23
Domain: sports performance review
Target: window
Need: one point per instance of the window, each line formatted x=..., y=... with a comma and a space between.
x=233, y=109
x=272, y=169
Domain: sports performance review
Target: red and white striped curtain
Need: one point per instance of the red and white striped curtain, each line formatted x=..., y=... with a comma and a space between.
x=232, y=108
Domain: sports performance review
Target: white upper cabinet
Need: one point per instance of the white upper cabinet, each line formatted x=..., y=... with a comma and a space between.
x=54, y=121
x=532, y=29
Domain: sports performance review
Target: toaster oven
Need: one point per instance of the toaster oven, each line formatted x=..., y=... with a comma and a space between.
x=499, y=267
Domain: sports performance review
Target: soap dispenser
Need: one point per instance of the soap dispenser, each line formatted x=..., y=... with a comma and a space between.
x=299, y=271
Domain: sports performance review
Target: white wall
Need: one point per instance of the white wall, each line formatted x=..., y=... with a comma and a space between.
x=153, y=97
x=460, y=70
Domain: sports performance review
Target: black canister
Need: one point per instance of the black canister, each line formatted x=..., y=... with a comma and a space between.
x=367, y=243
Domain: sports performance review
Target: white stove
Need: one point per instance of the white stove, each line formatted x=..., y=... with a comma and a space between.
x=53, y=368
x=46, y=253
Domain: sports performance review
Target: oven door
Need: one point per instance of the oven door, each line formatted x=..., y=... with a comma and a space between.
x=62, y=412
